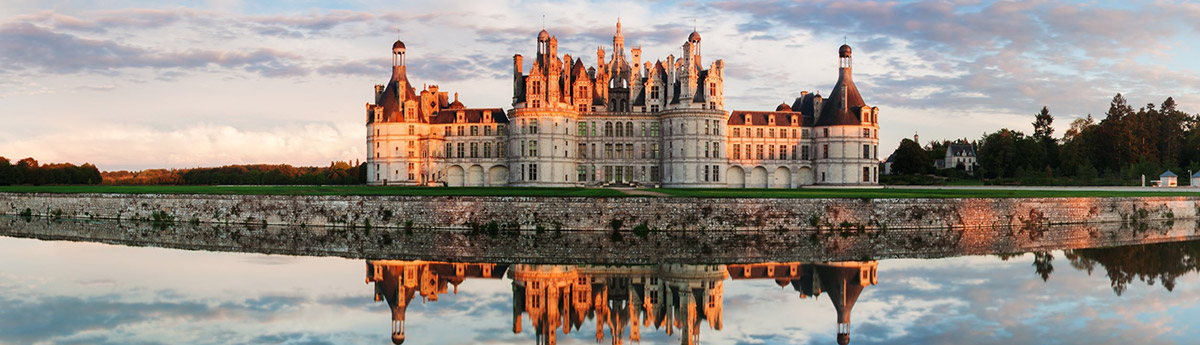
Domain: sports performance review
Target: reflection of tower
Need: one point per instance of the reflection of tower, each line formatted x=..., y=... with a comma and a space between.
x=397, y=282
x=674, y=297
x=842, y=281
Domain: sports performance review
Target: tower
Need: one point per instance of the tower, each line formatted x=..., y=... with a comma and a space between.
x=847, y=133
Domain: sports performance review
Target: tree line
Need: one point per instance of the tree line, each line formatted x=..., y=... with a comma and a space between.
x=1117, y=150
x=337, y=173
x=29, y=171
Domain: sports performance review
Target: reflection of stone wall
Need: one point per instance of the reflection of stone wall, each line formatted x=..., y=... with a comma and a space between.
x=578, y=230
x=598, y=213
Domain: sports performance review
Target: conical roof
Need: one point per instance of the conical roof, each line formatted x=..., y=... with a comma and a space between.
x=843, y=105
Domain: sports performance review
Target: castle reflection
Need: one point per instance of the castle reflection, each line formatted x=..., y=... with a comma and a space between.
x=620, y=300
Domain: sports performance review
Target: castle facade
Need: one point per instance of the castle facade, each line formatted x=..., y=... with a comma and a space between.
x=622, y=121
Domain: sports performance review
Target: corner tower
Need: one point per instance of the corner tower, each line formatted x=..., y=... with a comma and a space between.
x=847, y=133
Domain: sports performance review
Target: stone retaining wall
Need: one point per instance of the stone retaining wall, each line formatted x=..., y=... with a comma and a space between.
x=585, y=213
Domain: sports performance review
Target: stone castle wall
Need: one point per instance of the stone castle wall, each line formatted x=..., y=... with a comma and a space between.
x=589, y=213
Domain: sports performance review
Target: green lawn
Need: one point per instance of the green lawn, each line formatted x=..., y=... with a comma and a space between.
x=592, y=192
x=319, y=190
x=907, y=193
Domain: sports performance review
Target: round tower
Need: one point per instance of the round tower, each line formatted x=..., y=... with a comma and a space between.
x=846, y=133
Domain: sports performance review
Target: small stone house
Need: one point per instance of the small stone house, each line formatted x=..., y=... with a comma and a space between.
x=1168, y=179
x=1195, y=180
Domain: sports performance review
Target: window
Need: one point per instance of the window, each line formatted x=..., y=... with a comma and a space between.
x=866, y=174
x=474, y=130
x=794, y=133
x=593, y=151
x=654, y=108
x=825, y=151
x=583, y=129
x=500, y=130
x=654, y=94
x=533, y=174
x=783, y=151
x=716, y=127
x=866, y=151
x=620, y=130
x=712, y=89
x=500, y=149
x=654, y=129
x=629, y=151
x=533, y=126
x=608, y=151
x=629, y=128
x=461, y=151
x=487, y=150
x=446, y=131
x=620, y=151
x=643, y=151
x=770, y=133
x=716, y=149
x=826, y=132
x=804, y=134
x=460, y=130
x=654, y=150
x=487, y=130
x=643, y=129
x=760, y=151
x=737, y=152
x=716, y=175
x=771, y=152
x=866, y=133
x=654, y=175
x=608, y=129
x=759, y=132
x=593, y=128
x=536, y=88
x=804, y=152
x=582, y=171
x=582, y=150
x=412, y=130
x=737, y=132
x=794, y=152
x=707, y=127
x=411, y=175
x=705, y=173
x=706, y=148
x=449, y=151
x=533, y=148
x=582, y=107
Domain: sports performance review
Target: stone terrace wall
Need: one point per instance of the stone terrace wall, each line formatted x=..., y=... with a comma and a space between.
x=591, y=214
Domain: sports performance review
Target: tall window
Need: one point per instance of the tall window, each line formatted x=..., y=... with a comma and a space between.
x=533, y=173
x=582, y=150
x=654, y=129
x=643, y=129
x=654, y=92
x=716, y=149
x=629, y=128
x=500, y=149
x=460, y=130
x=582, y=171
x=737, y=152
x=593, y=128
x=583, y=129
x=487, y=150
x=760, y=151
x=772, y=152
x=707, y=127
x=449, y=150
x=804, y=152
x=608, y=129
x=461, y=151
x=629, y=151
x=783, y=151
x=716, y=174
x=866, y=133
x=474, y=150
x=866, y=151
x=533, y=126
x=412, y=130
x=712, y=89
x=706, y=148
x=737, y=132
x=608, y=151
x=620, y=130
x=826, y=132
x=474, y=130
x=487, y=130
x=533, y=148
x=653, y=150
x=825, y=151
x=759, y=132
x=866, y=174
x=537, y=87
x=499, y=129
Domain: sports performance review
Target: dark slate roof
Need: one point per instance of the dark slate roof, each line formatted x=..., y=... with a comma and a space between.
x=783, y=107
x=473, y=115
x=702, y=79
x=520, y=96
x=761, y=118
x=1168, y=174
x=640, y=98
x=1196, y=175
x=839, y=111
x=960, y=150
x=842, y=286
x=675, y=96
x=391, y=103
x=805, y=104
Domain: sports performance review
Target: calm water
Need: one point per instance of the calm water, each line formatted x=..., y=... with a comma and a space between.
x=88, y=293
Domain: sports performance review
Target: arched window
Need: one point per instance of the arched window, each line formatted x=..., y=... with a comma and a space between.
x=608, y=129
x=629, y=128
x=620, y=130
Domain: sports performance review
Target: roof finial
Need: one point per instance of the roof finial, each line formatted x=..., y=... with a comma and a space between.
x=844, y=39
x=543, y=22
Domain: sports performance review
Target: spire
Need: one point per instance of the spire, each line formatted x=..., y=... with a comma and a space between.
x=618, y=40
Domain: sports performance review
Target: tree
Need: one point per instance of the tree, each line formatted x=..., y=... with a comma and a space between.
x=1041, y=125
x=8, y=173
x=910, y=158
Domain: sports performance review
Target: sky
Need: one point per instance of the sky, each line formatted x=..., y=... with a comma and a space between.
x=61, y=292
x=133, y=84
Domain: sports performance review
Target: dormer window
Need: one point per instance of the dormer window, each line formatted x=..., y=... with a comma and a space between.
x=460, y=117
x=795, y=121
x=771, y=120
x=748, y=120
x=487, y=116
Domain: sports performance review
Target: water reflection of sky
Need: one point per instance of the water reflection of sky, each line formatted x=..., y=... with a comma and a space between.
x=83, y=293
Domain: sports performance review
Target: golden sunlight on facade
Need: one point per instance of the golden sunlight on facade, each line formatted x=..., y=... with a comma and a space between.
x=620, y=300
x=622, y=121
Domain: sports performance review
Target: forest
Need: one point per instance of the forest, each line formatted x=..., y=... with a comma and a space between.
x=337, y=173
x=28, y=171
x=1116, y=150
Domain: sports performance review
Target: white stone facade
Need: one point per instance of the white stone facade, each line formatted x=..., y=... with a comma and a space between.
x=660, y=123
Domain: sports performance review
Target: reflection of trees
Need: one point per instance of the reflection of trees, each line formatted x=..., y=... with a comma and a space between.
x=1043, y=262
x=1162, y=262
